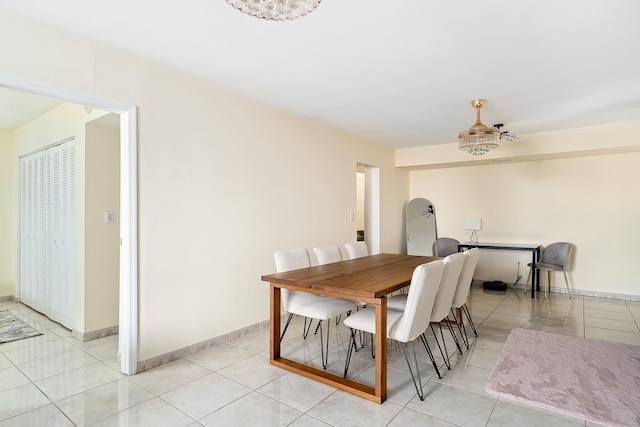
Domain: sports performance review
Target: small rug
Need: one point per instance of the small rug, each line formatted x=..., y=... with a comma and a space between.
x=13, y=329
x=590, y=379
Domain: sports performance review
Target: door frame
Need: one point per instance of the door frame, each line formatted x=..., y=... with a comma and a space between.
x=128, y=303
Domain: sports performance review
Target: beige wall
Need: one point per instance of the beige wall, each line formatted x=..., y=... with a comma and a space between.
x=223, y=182
x=102, y=240
x=590, y=201
x=7, y=251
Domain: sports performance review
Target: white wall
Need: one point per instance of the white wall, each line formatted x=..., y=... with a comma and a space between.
x=223, y=182
x=7, y=251
x=590, y=201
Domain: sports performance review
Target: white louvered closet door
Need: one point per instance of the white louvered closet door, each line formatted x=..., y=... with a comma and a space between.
x=66, y=238
x=47, y=255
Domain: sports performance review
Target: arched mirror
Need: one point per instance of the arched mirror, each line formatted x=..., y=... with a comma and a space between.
x=421, y=227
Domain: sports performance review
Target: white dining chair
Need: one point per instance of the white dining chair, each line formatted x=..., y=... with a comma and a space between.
x=306, y=304
x=441, y=308
x=462, y=292
x=453, y=267
x=356, y=249
x=327, y=254
x=408, y=325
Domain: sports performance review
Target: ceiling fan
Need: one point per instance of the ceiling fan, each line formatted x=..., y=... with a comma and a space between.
x=505, y=136
x=480, y=139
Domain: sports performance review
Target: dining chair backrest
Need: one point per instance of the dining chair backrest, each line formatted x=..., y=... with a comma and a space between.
x=327, y=254
x=287, y=260
x=425, y=282
x=466, y=277
x=558, y=253
x=291, y=259
x=356, y=249
x=445, y=246
x=452, y=268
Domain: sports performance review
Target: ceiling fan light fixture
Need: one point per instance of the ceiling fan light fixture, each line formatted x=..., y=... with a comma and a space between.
x=505, y=136
x=479, y=139
x=275, y=10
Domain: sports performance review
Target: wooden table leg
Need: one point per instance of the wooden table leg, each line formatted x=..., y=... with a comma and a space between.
x=274, y=327
x=381, y=350
x=375, y=394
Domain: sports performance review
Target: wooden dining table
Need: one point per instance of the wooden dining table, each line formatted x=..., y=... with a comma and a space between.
x=369, y=279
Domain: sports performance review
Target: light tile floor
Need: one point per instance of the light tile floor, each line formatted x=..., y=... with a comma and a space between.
x=55, y=380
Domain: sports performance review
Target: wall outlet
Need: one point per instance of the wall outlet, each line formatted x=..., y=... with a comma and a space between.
x=518, y=261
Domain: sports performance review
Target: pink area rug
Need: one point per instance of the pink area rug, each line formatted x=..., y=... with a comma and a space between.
x=591, y=379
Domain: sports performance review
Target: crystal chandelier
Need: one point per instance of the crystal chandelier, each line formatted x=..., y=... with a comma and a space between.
x=275, y=10
x=479, y=139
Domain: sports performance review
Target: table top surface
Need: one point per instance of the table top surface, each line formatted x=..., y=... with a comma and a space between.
x=369, y=277
x=507, y=246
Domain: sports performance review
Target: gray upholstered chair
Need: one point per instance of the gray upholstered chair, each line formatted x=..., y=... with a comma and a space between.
x=306, y=304
x=555, y=257
x=356, y=249
x=445, y=246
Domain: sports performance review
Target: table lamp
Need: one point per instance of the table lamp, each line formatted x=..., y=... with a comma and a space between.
x=473, y=224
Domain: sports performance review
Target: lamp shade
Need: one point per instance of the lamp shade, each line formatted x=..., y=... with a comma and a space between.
x=473, y=224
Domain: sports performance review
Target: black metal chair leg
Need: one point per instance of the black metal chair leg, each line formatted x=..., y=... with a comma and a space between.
x=463, y=333
x=460, y=324
x=468, y=314
x=413, y=376
x=433, y=359
x=352, y=343
x=445, y=354
x=324, y=355
x=305, y=328
x=453, y=334
x=373, y=346
x=286, y=325
x=355, y=346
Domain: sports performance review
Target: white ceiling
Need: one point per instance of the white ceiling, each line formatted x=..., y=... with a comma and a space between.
x=400, y=72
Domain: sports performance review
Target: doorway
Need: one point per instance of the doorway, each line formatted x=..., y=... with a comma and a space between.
x=368, y=205
x=128, y=317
